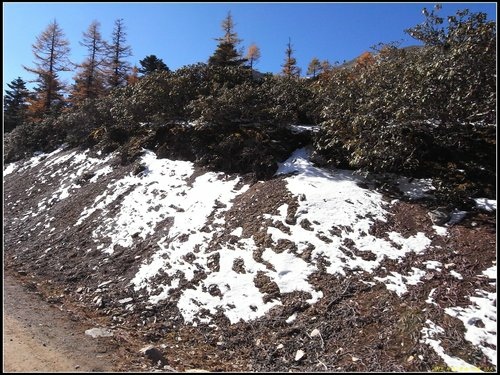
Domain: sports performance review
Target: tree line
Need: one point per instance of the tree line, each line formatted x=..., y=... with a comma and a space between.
x=106, y=67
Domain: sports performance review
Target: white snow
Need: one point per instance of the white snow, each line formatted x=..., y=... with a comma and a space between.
x=415, y=188
x=335, y=201
x=397, y=282
x=480, y=319
x=9, y=169
x=429, y=298
x=486, y=204
x=455, y=364
x=237, y=232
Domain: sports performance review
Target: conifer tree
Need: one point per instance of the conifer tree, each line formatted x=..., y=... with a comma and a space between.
x=51, y=52
x=118, y=51
x=152, y=64
x=89, y=81
x=15, y=104
x=290, y=68
x=326, y=66
x=253, y=55
x=314, y=67
x=226, y=53
x=133, y=77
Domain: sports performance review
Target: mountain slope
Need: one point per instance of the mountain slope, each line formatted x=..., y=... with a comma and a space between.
x=311, y=270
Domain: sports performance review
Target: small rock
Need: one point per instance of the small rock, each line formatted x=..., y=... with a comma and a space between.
x=99, y=332
x=291, y=220
x=299, y=355
x=439, y=216
x=315, y=332
x=410, y=358
x=280, y=346
x=154, y=355
x=77, y=367
x=355, y=359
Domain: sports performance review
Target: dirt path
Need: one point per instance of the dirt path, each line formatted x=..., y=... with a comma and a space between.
x=39, y=336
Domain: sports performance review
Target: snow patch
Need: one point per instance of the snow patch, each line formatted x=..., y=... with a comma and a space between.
x=486, y=204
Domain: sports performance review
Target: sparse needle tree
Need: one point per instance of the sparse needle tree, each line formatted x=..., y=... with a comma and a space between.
x=290, y=68
x=226, y=53
x=133, y=77
x=314, y=67
x=89, y=81
x=51, y=51
x=253, y=55
x=118, y=52
x=326, y=66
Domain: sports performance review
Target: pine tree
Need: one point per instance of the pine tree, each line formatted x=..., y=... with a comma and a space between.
x=290, y=68
x=89, y=81
x=253, y=55
x=152, y=64
x=314, y=67
x=226, y=53
x=51, y=51
x=133, y=77
x=15, y=104
x=118, y=51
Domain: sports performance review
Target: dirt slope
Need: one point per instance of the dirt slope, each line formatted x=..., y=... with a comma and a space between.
x=358, y=324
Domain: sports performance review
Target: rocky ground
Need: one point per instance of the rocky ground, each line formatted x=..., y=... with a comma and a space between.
x=359, y=324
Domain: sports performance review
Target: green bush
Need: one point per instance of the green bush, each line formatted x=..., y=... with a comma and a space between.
x=405, y=109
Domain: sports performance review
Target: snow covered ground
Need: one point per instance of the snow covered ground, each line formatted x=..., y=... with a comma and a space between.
x=334, y=216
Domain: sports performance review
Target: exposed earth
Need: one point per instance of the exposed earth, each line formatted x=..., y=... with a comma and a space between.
x=56, y=290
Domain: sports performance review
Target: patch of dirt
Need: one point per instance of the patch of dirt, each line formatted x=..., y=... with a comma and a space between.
x=48, y=334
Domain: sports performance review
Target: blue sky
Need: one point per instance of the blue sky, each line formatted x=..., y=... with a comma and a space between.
x=183, y=33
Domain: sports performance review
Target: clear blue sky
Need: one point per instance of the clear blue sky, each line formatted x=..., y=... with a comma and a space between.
x=183, y=33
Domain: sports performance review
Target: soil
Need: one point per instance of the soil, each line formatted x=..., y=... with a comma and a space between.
x=364, y=327
x=42, y=337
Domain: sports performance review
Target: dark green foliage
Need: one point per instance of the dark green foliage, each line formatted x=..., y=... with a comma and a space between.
x=152, y=64
x=230, y=148
x=417, y=110
x=15, y=104
x=226, y=55
x=28, y=138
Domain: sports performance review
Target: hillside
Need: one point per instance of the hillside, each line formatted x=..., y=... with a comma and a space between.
x=312, y=269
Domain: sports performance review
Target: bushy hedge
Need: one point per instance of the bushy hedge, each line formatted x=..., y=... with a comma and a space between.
x=408, y=109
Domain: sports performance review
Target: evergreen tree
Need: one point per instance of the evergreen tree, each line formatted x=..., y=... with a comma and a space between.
x=290, y=68
x=15, y=104
x=51, y=51
x=89, y=81
x=152, y=64
x=253, y=55
x=226, y=53
x=118, y=51
x=314, y=67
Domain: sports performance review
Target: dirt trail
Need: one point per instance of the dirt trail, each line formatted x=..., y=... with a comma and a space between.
x=38, y=336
